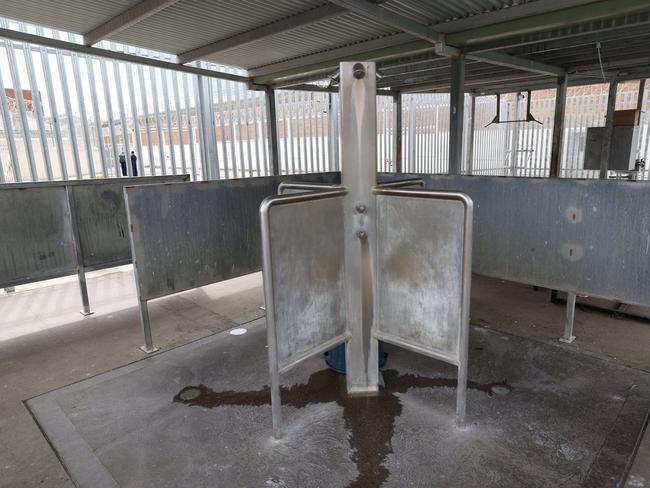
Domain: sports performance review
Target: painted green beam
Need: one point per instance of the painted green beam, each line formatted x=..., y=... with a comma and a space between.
x=325, y=63
x=328, y=66
x=550, y=20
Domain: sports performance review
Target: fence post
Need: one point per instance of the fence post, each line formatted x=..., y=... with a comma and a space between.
x=208, y=134
x=397, y=132
x=333, y=132
x=558, y=127
x=609, y=130
x=412, y=134
x=470, y=135
x=272, y=121
x=456, y=111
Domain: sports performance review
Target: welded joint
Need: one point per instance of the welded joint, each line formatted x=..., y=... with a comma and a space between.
x=442, y=49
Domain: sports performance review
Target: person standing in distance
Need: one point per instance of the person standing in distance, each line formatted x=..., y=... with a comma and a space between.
x=123, y=163
x=134, y=163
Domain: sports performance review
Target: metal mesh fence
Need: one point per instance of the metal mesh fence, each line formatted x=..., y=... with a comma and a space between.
x=68, y=115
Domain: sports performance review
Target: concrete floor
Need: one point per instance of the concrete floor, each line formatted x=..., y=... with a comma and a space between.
x=61, y=348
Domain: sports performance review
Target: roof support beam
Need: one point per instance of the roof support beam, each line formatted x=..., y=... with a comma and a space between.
x=120, y=56
x=373, y=11
x=126, y=19
x=619, y=27
x=379, y=14
x=535, y=15
x=501, y=59
x=310, y=17
x=550, y=20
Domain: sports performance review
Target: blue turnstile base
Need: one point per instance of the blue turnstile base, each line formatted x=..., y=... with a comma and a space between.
x=335, y=358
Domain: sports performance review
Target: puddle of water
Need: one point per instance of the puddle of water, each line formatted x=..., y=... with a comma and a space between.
x=370, y=419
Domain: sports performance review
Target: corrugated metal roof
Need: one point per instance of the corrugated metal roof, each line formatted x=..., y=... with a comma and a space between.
x=438, y=11
x=282, y=57
x=192, y=23
x=344, y=30
x=76, y=16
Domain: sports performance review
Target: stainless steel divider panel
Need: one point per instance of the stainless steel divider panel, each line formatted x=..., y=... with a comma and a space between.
x=101, y=218
x=420, y=272
x=590, y=237
x=188, y=235
x=306, y=267
x=36, y=237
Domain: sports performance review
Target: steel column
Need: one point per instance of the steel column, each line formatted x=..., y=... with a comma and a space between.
x=514, y=138
x=456, y=109
x=208, y=133
x=272, y=121
x=609, y=130
x=359, y=175
x=558, y=127
x=641, y=102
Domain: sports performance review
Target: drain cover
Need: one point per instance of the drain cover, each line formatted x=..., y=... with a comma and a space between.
x=500, y=390
x=190, y=394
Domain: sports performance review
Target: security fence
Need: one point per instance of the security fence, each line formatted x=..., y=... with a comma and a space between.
x=71, y=116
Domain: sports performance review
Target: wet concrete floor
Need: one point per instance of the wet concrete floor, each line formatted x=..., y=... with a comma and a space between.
x=199, y=415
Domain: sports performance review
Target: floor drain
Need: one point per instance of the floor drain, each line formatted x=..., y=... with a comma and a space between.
x=190, y=394
x=500, y=390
